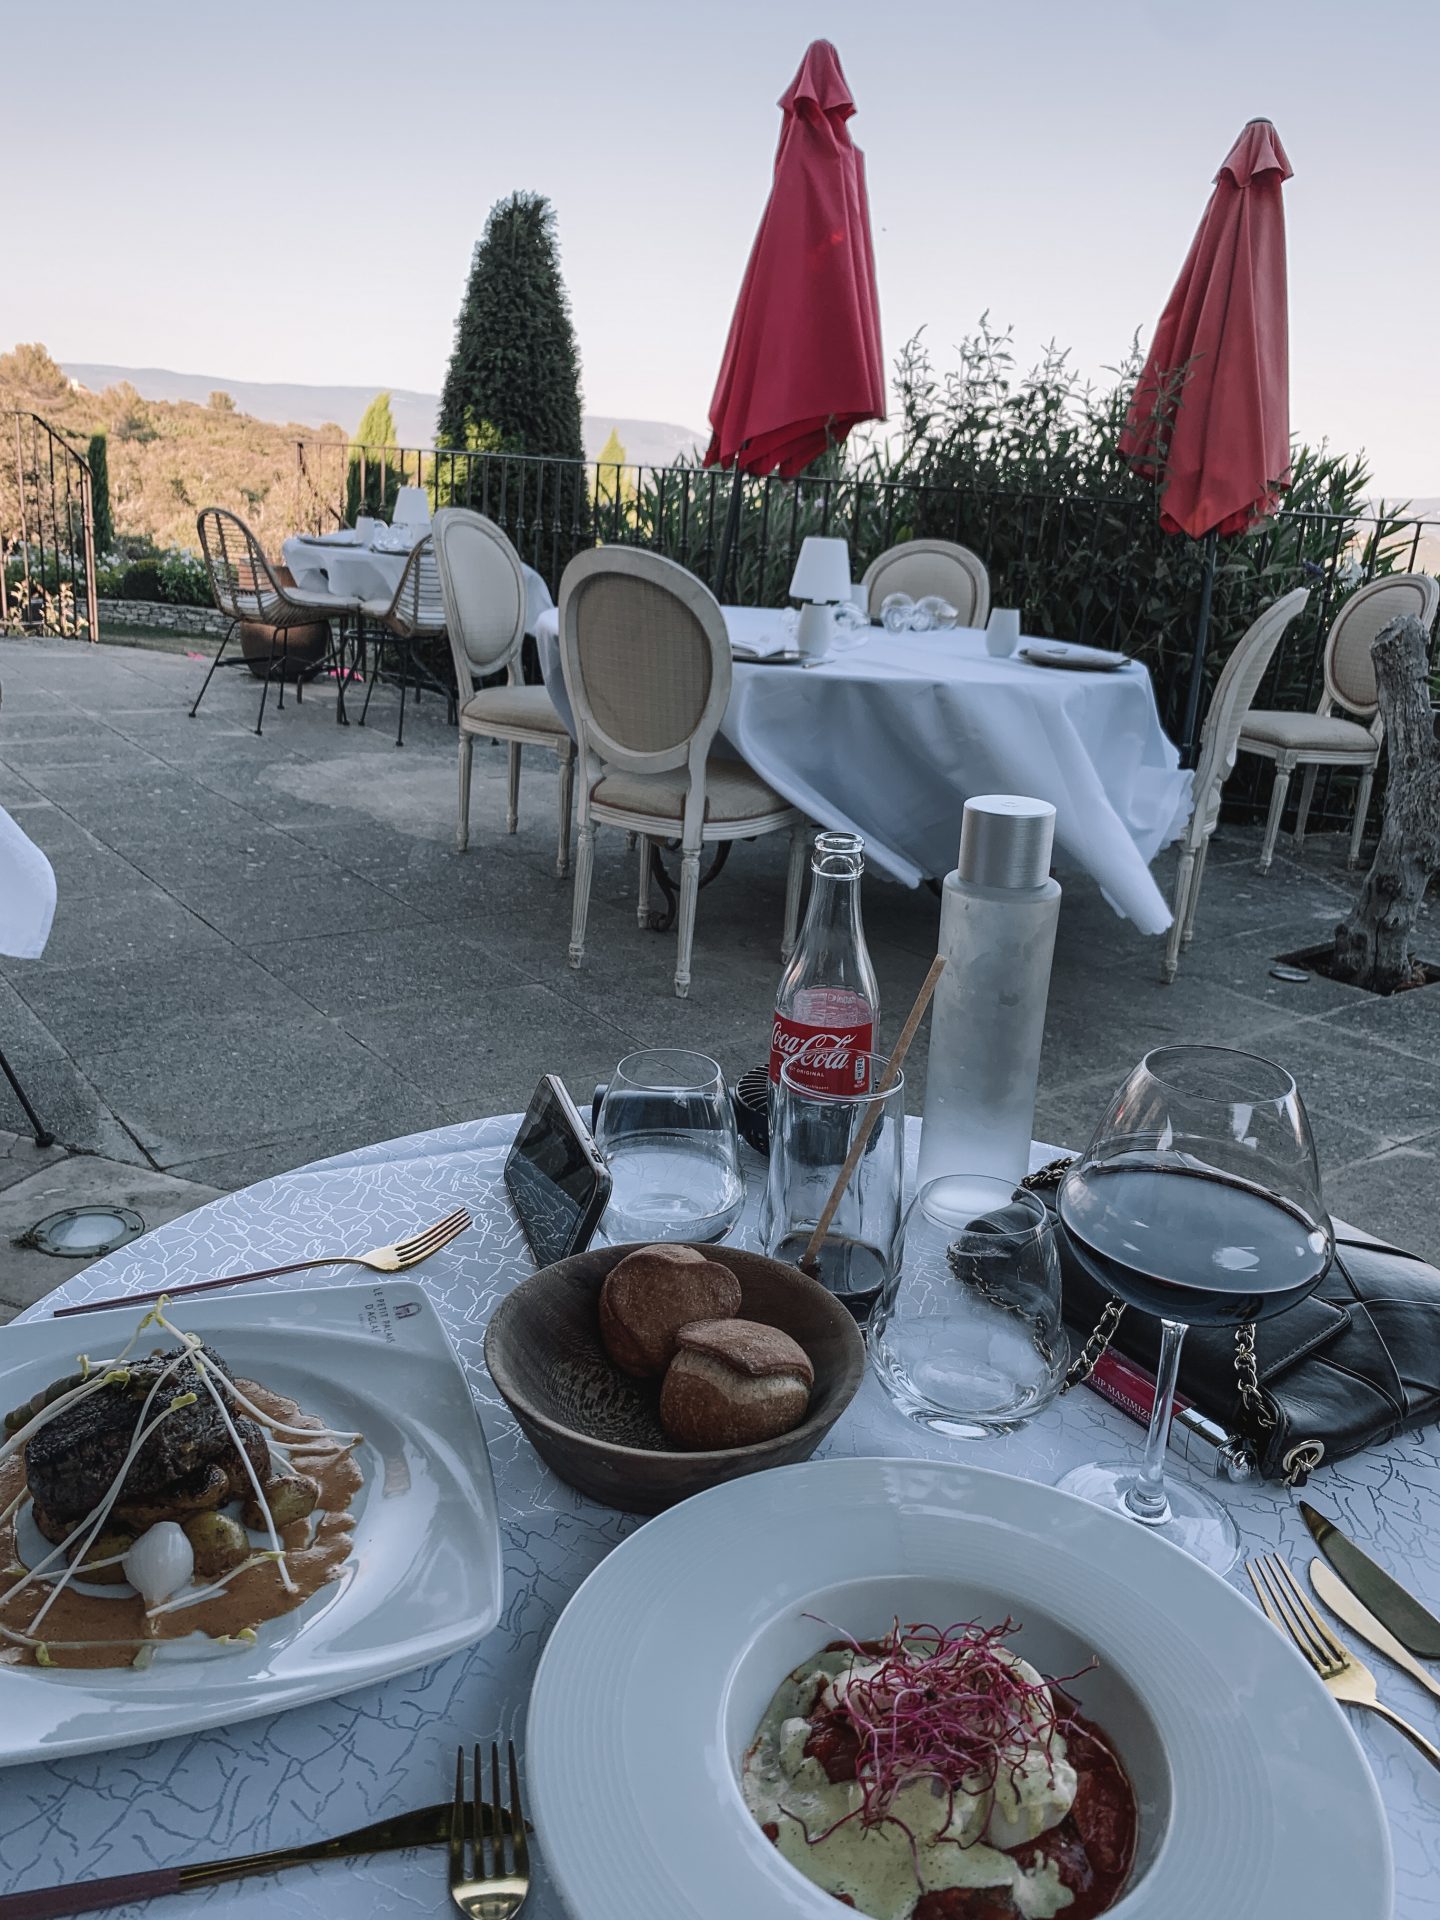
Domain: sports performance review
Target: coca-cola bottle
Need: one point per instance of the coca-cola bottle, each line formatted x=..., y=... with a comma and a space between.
x=829, y=1004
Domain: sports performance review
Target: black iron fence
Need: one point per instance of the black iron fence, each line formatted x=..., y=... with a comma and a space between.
x=47, y=533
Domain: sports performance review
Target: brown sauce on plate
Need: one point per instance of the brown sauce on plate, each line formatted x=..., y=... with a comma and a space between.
x=315, y=1550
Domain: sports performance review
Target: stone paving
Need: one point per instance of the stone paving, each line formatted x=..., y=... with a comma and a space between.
x=267, y=950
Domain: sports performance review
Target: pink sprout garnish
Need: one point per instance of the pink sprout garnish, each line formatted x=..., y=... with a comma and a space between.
x=945, y=1704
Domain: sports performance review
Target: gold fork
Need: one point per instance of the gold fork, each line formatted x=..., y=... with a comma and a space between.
x=493, y=1890
x=389, y=1259
x=1347, y=1678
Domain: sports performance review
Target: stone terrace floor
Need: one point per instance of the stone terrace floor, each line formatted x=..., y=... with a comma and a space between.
x=267, y=950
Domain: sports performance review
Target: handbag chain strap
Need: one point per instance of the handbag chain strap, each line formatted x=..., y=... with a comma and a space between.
x=1252, y=1394
x=1046, y=1180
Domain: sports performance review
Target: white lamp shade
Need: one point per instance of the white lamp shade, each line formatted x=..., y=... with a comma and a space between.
x=822, y=571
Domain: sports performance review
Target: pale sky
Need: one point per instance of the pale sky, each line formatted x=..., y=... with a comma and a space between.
x=291, y=191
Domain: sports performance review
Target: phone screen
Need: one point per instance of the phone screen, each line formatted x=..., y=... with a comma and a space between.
x=552, y=1178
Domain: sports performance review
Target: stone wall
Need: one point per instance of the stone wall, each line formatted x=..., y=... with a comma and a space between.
x=203, y=622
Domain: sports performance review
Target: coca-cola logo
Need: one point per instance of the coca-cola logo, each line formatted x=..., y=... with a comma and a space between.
x=827, y=1050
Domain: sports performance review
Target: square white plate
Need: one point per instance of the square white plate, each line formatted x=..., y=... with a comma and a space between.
x=424, y=1576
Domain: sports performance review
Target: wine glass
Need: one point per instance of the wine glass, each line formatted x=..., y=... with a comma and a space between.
x=1197, y=1200
x=667, y=1131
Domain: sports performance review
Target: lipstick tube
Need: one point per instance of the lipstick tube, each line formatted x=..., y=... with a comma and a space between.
x=1202, y=1442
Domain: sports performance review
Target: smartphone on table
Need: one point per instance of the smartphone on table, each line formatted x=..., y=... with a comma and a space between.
x=556, y=1176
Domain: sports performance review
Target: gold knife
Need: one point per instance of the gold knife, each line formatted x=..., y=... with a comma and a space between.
x=427, y=1827
x=1340, y=1600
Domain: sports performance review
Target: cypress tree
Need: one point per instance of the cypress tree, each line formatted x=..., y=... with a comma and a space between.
x=96, y=455
x=376, y=429
x=513, y=384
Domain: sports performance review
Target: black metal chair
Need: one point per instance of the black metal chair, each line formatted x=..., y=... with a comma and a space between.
x=249, y=591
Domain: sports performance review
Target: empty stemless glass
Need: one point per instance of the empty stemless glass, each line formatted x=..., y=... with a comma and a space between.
x=966, y=1337
x=667, y=1131
x=1198, y=1201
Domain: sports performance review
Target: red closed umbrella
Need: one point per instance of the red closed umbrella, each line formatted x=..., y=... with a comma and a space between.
x=1216, y=385
x=1211, y=410
x=802, y=364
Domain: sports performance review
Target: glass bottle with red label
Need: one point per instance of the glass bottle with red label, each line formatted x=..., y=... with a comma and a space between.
x=828, y=1006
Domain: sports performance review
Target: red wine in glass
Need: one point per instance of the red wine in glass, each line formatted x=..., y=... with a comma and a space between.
x=1192, y=1244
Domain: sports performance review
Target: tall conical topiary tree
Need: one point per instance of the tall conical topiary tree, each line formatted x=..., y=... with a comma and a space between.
x=97, y=457
x=376, y=430
x=513, y=383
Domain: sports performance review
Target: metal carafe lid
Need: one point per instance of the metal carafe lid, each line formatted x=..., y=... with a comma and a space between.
x=1005, y=841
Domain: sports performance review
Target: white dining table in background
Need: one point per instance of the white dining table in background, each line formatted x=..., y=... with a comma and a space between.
x=892, y=734
x=322, y=1769
x=330, y=563
x=27, y=893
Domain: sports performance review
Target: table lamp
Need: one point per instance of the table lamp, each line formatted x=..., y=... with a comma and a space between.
x=821, y=579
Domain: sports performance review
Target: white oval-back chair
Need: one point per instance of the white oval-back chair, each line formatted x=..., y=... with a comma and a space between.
x=921, y=567
x=647, y=667
x=1239, y=680
x=483, y=586
x=1346, y=729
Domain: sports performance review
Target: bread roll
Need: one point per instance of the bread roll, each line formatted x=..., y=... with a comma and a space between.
x=651, y=1294
x=733, y=1382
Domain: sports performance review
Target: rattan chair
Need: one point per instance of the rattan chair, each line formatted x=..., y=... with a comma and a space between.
x=647, y=667
x=482, y=585
x=247, y=589
x=1327, y=737
x=1230, y=702
x=415, y=611
x=921, y=567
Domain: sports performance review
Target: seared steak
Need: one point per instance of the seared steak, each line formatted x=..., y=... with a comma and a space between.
x=72, y=1461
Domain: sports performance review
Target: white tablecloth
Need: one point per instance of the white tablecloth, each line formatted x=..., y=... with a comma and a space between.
x=321, y=1769
x=889, y=738
x=328, y=565
x=27, y=893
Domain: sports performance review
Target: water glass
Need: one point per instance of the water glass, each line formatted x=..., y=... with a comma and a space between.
x=1002, y=632
x=966, y=1337
x=667, y=1131
x=895, y=612
x=942, y=615
x=811, y=1132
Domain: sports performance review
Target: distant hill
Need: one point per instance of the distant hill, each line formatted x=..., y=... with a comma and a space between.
x=650, y=442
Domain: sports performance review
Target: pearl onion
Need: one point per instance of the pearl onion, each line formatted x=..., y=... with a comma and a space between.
x=160, y=1562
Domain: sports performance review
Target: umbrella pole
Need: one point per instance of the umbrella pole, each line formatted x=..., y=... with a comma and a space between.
x=727, y=537
x=1189, y=741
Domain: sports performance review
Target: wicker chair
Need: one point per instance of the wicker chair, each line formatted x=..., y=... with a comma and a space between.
x=415, y=611
x=482, y=585
x=920, y=567
x=248, y=590
x=647, y=667
x=1230, y=702
x=1327, y=738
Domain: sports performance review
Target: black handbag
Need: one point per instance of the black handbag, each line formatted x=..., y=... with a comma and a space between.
x=1353, y=1365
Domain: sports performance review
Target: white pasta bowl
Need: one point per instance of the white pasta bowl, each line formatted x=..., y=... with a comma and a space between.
x=1254, y=1797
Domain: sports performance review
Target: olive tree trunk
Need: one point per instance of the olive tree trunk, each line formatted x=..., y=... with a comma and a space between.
x=1373, y=944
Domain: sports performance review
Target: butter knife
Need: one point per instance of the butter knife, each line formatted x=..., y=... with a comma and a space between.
x=427, y=1827
x=1341, y=1601
x=1413, y=1625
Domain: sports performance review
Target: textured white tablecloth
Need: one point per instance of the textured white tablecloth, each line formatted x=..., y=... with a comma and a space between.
x=322, y=1769
x=890, y=737
x=360, y=573
x=27, y=893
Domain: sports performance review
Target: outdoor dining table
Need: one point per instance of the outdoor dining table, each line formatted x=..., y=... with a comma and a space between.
x=336, y=563
x=27, y=893
x=325, y=1768
x=892, y=734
